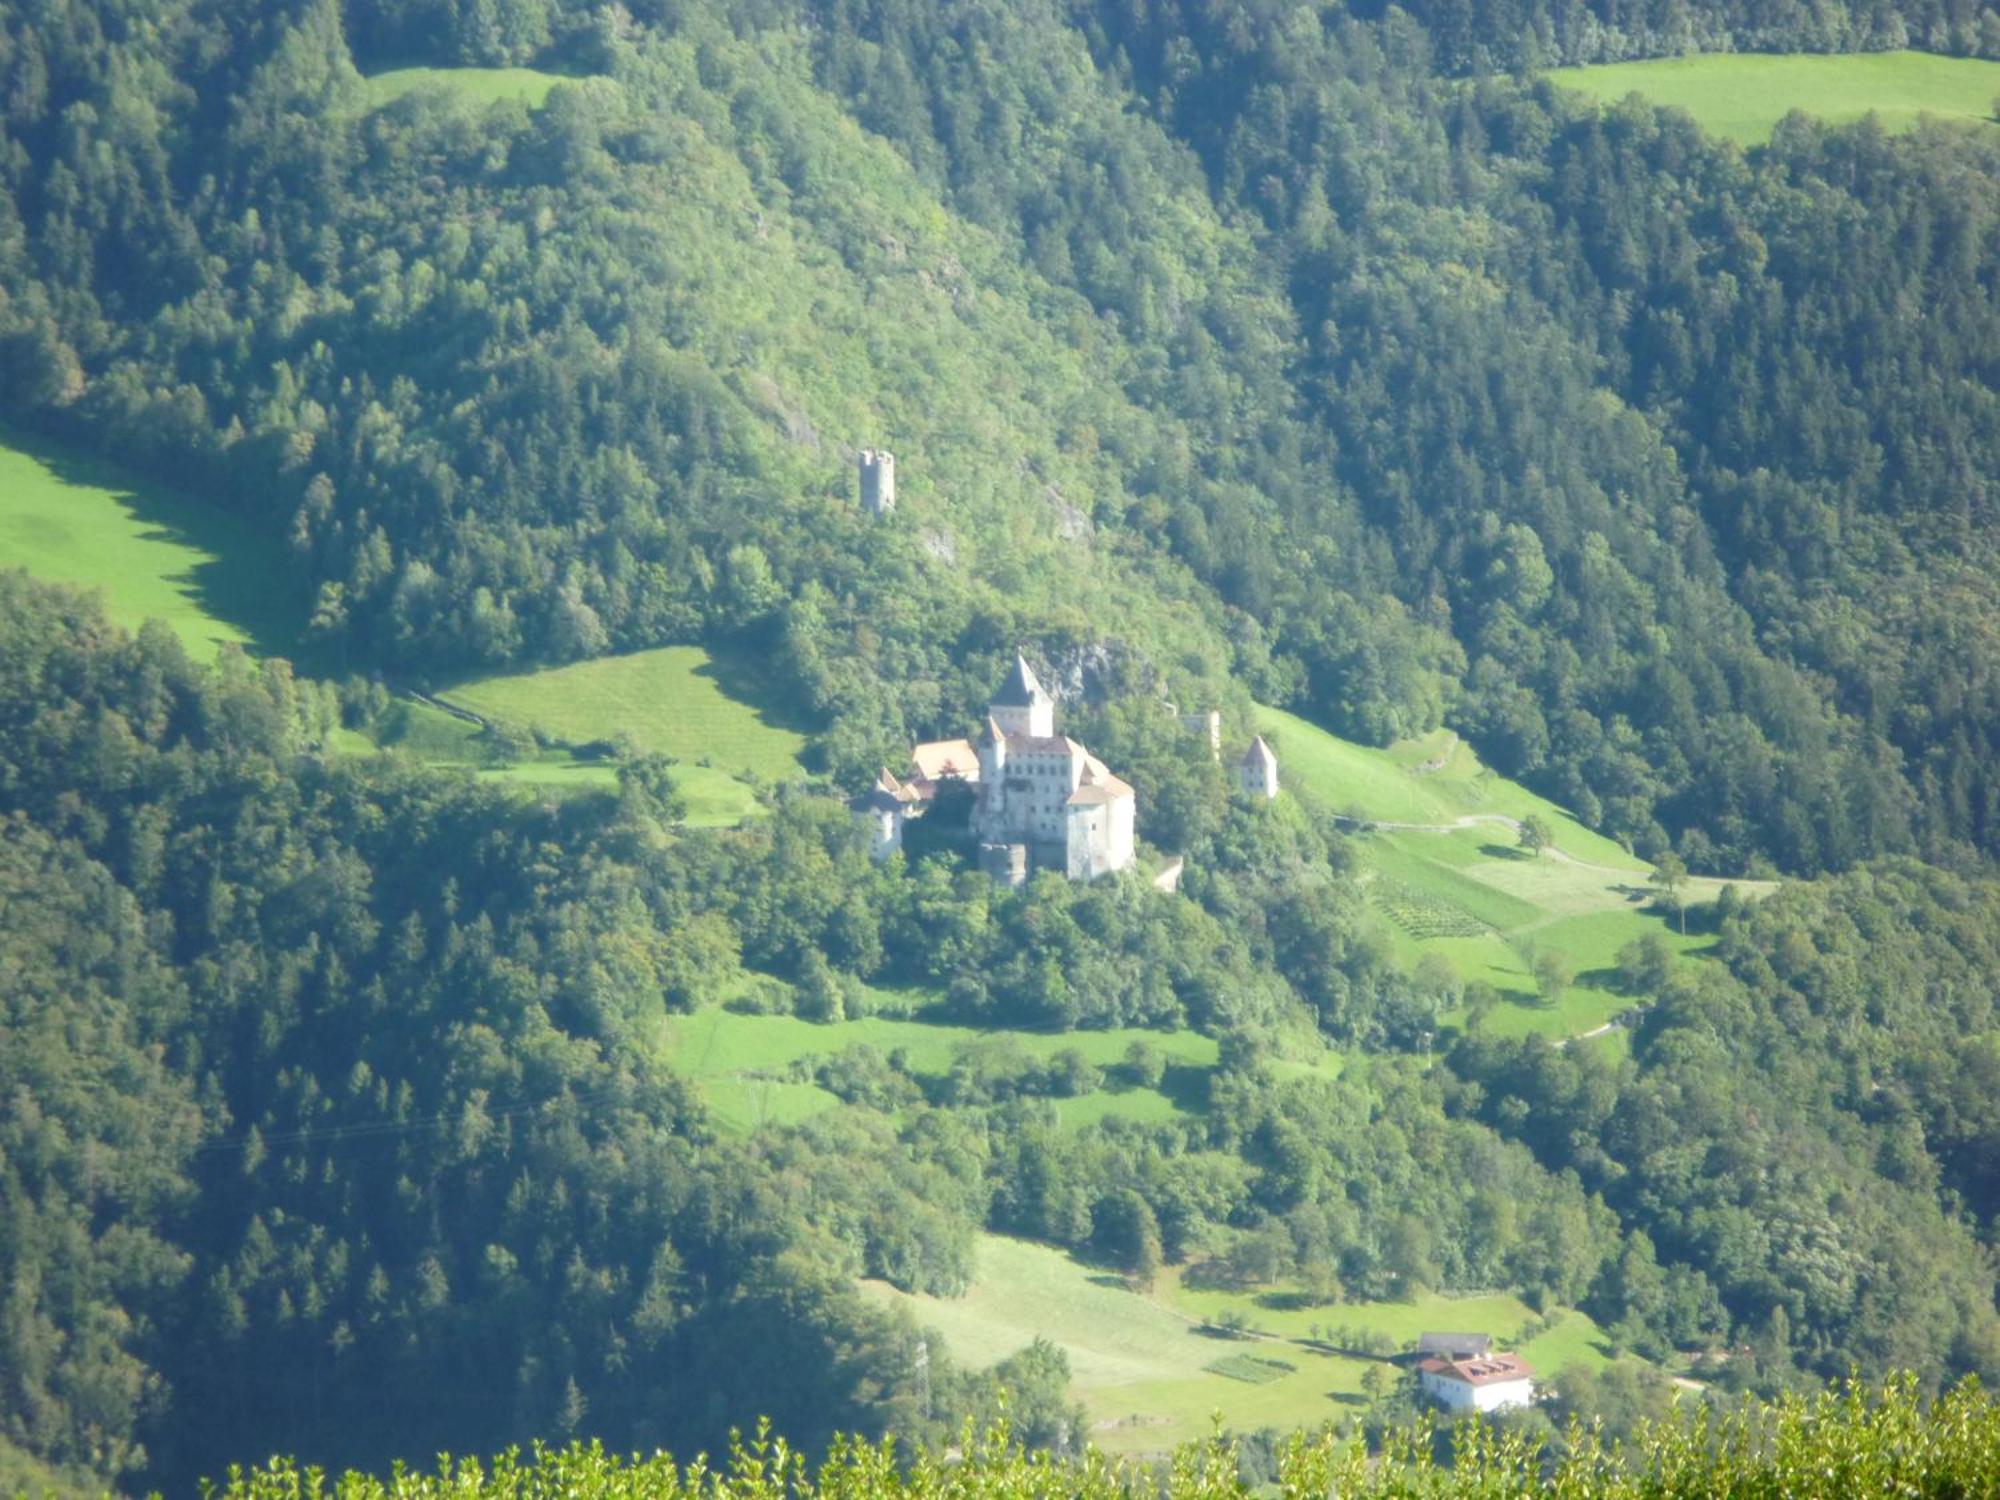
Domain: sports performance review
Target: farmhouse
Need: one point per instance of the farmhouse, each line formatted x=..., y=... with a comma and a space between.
x=1491, y=1382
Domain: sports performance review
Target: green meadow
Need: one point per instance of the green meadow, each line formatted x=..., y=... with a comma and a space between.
x=1434, y=780
x=682, y=701
x=1742, y=96
x=740, y=1061
x=157, y=555
x=154, y=555
x=484, y=85
x=1468, y=893
x=1151, y=1374
x=1571, y=1337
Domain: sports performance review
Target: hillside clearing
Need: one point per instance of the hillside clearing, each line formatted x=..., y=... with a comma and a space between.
x=1569, y=1338
x=1393, y=785
x=682, y=701
x=155, y=555
x=1149, y=1377
x=485, y=85
x=1438, y=837
x=1743, y=96
x=742, y=1062
x=721, y=1041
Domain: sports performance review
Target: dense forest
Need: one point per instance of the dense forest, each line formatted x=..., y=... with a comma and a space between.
x=1317, y=355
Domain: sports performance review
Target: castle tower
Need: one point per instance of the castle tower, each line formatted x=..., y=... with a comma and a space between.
x=878, y=481
x=1006, y=863
x=883, y=808
x=1207, y=724
x=992, y=772
x=1023, y=706
x=1257, y=772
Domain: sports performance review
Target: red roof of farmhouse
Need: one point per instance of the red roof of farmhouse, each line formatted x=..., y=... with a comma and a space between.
x=1488, y=1371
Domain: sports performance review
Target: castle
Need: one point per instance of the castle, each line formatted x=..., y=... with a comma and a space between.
x=1040, y=800
x=1044, y=793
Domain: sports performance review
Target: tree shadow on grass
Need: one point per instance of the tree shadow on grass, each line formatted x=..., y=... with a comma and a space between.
x=740, y=673
x=246, y=580
x=1505, y=851
x=1186, y=1087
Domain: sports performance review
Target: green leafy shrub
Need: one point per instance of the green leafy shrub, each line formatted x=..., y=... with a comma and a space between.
x=1863, y=1441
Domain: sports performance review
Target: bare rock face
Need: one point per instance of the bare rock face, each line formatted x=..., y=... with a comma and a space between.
x=765, y=394
x=1091, y=671
x=1072, y=523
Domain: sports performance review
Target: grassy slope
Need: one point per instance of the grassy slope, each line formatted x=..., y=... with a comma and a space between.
x=1468, y=894
x=1742, y=96
x=214, y=580
x=844, y=304
x=1142, y=1368
x=669, y=700
x=529, y=85
x=154, y=554
x=737, y=1059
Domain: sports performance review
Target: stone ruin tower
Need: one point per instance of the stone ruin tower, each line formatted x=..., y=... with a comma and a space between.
x=878, y=481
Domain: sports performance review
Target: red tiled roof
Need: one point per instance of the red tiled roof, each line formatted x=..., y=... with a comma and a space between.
x=1487, y=1371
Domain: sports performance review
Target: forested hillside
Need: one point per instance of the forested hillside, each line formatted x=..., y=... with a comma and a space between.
x=331, y=1084
x=1389, y=395
x=1237, y=354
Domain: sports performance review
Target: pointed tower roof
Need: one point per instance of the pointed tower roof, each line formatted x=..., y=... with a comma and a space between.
x=1259, y=754
x=1021, y=689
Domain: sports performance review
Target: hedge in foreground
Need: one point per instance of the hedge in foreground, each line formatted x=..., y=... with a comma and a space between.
x=1856, y=1443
